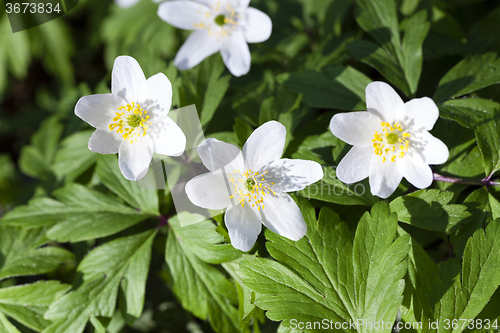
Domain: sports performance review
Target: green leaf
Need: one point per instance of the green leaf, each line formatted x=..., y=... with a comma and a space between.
x=28, y=303
x=6, y=326
x=242, y=129
x=469, y=112
x=80, y=214
x=124, y=263
x=380, y=19
x=328, y=274
x=99, y=328
x=376, y=57
x=203, y=240
x=472, y=73
x=52, y=42
x=429, y=209
x=488, y=140
x=109, y=173
x=331, y=189
x=36, y=159
x=421, y=270
x=317, y=148
x=21, y=253
x=201, y=288
x=245, y=295
x=136, y=31
x=478, y=203
x=400, y=63
x=337, y=87
x=462, y=292
x=74, y=156
x=465, y=158
x=211, y=87
x=416, y=30
x=15, y=55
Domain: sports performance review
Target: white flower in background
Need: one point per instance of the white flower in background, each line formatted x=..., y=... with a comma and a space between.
x=391, y=141
x=226, y=26
x=126, y=3
x=132, y=121
x=252, y=183
x=130, y=3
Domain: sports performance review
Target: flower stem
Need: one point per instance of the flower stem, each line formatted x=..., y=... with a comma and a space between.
x=163, y=221
x=483, y=182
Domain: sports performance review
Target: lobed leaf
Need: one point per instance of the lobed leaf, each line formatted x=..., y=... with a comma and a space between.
x=21, y=253
x=109, y=172
x=488, y=140
x=123, y=263
x=429, y=209
x=312, y=279
x=200, y=287
x=28, y=303
x=80, y=214
x=472, y=73
x=337, y=87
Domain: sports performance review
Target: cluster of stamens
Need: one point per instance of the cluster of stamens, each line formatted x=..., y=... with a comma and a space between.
x=225, y=22
x=251, y=187
x=392, y=142
x=131, y=122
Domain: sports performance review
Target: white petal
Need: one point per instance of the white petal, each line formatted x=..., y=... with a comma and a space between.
x=98, y=110
x=209, y=190
x=217, y=154
x=105, y=142
x=128, y=80
x=355, y=128
x=243, y=226
x=265, y=145
x=292, y=175
x=421, y=113
x=126, y=3
x=384, y=101
x=355, y=165
x=258, y=27
x=197, y=47
x=167, y=137
x=236, y=54
x=241, y=5
x=182, y=14
x=160, y=95
x=434, y=151
x=384, y=177
x=414, y=169
x=134, y=158
x=207, y=3
x=282, y=216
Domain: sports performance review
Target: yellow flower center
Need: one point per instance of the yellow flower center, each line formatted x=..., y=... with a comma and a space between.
x=251, y=187
x=392, y=142
x=131, y=122
x=226, y=19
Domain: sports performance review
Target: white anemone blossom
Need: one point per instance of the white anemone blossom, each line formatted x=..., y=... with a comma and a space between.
x=130, y=3
x=126, y=3
x=132, y=121
x=391, y=141
x=219, y=25
x=252, y=185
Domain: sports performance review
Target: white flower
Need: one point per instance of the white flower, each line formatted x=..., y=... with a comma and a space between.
x=252, y=185
x=132, y=121
x=391, y=141
x=126, y=3
x=130, y=3
x=226, y=26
